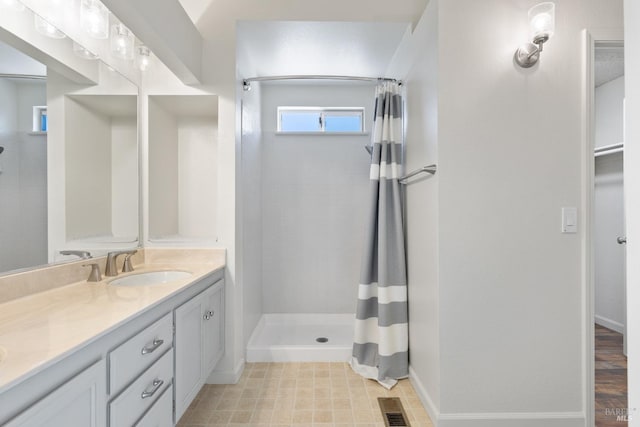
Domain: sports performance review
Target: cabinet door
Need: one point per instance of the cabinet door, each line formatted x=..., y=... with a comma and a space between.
x=213, y=329
x=188, y=347
x=80, y=402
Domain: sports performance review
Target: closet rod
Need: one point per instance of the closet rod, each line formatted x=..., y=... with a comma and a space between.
x=246, y=83
x=22, y=76
x=608, y=149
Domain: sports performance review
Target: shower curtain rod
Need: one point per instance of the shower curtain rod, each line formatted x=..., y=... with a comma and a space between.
x=246, y=83
x=22, y=76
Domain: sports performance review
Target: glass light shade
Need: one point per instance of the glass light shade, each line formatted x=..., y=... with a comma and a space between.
x=83, y=52
x=12, y=4
x=94, y=18
x=47, y=29
x=122, y=42
x=542, y=21
x=143, y=58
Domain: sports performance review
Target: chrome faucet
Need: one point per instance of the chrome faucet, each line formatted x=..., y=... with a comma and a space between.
x=81, y=254
x=111, y=269
x=95, y=275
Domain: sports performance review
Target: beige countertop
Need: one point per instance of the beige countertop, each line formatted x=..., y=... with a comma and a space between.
x=40, y=329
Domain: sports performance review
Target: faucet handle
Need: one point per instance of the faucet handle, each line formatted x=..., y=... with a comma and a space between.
x=126, y=266
x=95, y=275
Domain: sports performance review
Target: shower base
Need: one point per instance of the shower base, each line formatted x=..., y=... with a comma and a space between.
x=301, y=338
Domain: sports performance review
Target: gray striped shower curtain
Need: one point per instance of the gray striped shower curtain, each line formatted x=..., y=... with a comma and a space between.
x=381, y=338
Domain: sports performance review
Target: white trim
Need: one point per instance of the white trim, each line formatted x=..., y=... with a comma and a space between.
x=424, y=397
x=227, y=377
x=510, y=419
x=609, y=324
x=513, y=416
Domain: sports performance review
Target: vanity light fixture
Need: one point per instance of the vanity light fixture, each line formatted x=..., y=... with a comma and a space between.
x=12, y=4
x=542, y=26
x=122, y=42
x=94, y=18
x=143, y=58
x=83, y=52
x=45, y=28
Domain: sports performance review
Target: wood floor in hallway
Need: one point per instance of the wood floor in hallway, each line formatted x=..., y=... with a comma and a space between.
x=610, y=378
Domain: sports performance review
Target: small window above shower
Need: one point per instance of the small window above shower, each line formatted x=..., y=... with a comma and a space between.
x=321, y=120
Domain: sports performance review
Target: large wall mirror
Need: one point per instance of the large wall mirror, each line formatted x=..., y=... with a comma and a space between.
x=69, y=176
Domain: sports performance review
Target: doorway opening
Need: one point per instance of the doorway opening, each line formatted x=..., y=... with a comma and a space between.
x=607, y=212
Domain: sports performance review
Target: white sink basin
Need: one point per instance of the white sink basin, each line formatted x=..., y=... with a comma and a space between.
x=151, y=278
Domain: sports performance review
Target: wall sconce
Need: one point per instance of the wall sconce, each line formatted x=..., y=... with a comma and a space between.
x=94, y=18
x=122, y=42
x=143, y=58
x=542, y=25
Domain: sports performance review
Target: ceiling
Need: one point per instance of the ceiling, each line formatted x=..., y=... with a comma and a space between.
x=272, y=48
x=12, y=61
x=608, y=64
x=280, y=37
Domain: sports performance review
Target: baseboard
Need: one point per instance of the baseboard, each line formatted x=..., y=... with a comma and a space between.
x=424, y=397
x=609, y=324
x=496, y=419
x=510, y=419
x=227, y=377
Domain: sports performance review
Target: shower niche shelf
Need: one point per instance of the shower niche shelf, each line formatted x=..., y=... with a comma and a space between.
x=183, y=158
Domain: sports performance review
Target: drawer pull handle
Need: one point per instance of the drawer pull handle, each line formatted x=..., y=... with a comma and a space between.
x=208, y=315
x=156, y=386
x=154, y=346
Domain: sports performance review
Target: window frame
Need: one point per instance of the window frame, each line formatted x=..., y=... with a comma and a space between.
x=322, y=112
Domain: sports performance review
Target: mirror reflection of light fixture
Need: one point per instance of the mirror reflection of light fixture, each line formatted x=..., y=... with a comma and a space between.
x=94, y=18
x=542, y=26
x=83, y=52
x=122, y=42
x=47, y=29
x=143, y=58
x=12, y=4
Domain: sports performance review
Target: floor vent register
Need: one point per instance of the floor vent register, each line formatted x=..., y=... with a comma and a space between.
x=392, y=412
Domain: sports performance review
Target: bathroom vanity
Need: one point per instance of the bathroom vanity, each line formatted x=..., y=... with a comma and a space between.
x=99, y=354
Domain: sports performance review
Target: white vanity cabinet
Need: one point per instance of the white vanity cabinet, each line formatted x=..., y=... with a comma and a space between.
x=145, y=361
x=79, y=402
x=135, y=374
x=199, y=343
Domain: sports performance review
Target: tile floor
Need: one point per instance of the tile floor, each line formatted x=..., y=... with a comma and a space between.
x=299, y=394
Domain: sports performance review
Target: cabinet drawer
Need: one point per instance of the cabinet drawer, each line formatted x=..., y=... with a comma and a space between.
x=128, y=360
x=161, y=413
x=136, y=399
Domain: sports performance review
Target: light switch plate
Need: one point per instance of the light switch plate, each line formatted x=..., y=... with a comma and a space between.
x=570, y=220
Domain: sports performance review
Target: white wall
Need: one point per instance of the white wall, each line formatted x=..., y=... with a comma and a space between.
x=510, y=320
x=609, y=209
x=608, y=112
x=314, y=201
x=124, y=157
x=197, y=157
x=422, y=206
x=87, y=172
x=251, y=208
x=163, y=172
x=23, y=181
x=632, y=198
